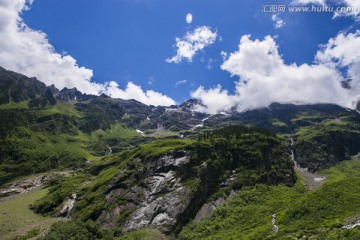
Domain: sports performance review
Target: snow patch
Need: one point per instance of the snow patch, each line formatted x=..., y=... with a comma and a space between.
x=171, y=109
x=141, y=132
x=224, y=113
x=202, y=123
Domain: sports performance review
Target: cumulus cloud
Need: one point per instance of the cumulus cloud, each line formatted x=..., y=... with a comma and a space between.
x=264, y=77
x=350, y=8
x=189, y=18
x=353, y=9
x=133, y=91
x=193, y=42
x=343, y=52
x=29, y=52
x=214, y=100
x=278, y=22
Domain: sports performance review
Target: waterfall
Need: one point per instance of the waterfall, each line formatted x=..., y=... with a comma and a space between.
x=293, y=155
x=276, y=227
x=71, y=204
x=110, y=151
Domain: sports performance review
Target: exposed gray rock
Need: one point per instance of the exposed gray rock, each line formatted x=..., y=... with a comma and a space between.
x=208, y=208
x=28, y=184
x=157, y=202
x=69, y=94
x=163, y=201
x=174, y=159
x=228, y=181
x=160, y=212
x=9, y=192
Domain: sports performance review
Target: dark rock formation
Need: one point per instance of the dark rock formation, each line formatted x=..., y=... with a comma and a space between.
x=346, y=84
x=67, y=95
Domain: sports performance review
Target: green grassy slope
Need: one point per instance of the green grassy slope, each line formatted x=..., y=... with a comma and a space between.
x=37, y=140
x=16, y=217
x=300, y=213
x=324, y=134
x=256, y=156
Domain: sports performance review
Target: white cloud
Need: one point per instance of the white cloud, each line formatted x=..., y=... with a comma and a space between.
x=133, y=91
x=224, y=55
x=349, y=8
x=352, y=10
x=215, y=99
x=278, y=22
x=189, y=18
x=193, y=42
x=180, y=82
x=343, y=51
x=265, y=78
x=29, y=52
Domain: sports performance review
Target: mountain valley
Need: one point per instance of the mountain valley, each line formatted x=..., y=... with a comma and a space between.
x=95, y=167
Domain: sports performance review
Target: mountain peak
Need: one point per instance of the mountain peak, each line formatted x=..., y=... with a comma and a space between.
x=190, y=105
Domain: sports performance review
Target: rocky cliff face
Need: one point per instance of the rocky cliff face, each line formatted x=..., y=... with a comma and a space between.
x=167, y=183
x=158, y=201
x=69, y=95
x=17, y=87
x=327, y=150
x=165, y=198
x=167, y=191
x=322, y=131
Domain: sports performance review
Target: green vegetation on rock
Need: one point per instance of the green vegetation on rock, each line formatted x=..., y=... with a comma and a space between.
x=143, y=234
x=189, y=176
x=318, y=214
x=78, y=230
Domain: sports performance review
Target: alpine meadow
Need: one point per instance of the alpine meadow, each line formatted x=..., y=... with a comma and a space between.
x=179, y=120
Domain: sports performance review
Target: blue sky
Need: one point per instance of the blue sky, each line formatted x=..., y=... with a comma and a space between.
x=129, y=40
